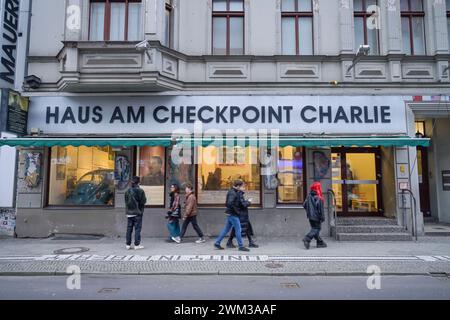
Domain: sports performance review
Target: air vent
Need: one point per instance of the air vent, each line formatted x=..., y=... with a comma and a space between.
x=229, y=72
x=418, y=73
x=371, y=73
x=299, y=72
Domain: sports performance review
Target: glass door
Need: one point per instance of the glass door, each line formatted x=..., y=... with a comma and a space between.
x=357, y=181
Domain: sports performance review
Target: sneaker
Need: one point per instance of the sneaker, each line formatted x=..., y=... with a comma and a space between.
x=253, y=245
x=321, y=245
x=218, y=246
x=230, y=245
x=306, y=243
x=138, y=247
x=176, y=239
x=244, y=249
x=201, y=240
x=128, y=247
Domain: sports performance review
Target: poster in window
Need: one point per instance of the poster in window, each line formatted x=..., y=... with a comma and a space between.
x=321, y=165
x=181, y=173
x=61, y=154
x=122, y=172
x=32, y=169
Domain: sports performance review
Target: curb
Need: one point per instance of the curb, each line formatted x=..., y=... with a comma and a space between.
x=250, y=274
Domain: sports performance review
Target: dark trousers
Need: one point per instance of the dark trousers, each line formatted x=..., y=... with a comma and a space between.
x=136, y=224
x=192, y=220
x=233, y=235
x=316, y=226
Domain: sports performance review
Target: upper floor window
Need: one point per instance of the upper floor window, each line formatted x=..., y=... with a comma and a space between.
x=413, y=28
x=228, y=27
x=168, y=40
x=447, y=3
x=297, y=27
x=115, y=20
x=366, y=33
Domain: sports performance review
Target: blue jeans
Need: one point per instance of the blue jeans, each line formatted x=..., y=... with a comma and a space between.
x=136, y=224
x=173, y=225
x=232, y=222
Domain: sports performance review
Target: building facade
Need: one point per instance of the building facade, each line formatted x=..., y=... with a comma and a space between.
x=119, y=88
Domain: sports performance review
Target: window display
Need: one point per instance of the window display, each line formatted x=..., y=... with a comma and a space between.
x=151, y=169
x=81, y=176
x=219, y=167
x=290, y=175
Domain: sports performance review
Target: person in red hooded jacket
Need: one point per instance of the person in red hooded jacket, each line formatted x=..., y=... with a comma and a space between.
x=314, y=206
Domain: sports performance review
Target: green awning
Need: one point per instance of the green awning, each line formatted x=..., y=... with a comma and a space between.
x=314, y=142
x=283, y=141
x=87, y=142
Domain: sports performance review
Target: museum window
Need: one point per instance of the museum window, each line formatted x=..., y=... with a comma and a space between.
x=168, y=27
x=81, y=176
x=219, y=166
x=228, y=27
x=291, y=177
x=297, y=27
x=413, y=27
x=151, y=168
x=115, y=20
x=363, y=14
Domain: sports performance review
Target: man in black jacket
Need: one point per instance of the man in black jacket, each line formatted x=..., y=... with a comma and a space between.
x=233, y=211
x=316, y=215
x=135, y=201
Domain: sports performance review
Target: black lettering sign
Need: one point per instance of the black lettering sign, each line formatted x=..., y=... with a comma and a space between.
x=10, y=25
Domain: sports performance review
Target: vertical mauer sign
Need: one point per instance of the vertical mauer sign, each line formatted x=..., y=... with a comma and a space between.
x=9, y=19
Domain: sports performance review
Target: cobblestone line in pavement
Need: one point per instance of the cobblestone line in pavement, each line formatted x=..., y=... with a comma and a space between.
x=230, y=268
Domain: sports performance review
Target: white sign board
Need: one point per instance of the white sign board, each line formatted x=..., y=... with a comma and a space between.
x=164, y=114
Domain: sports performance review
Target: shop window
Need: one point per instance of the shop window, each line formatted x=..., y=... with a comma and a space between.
x=81, y=176
x=219, y=167
x=181, y=169
x=228, y=27
x=297, y=27
x=363, y=34
x=291, y=179
x=151, y=169
x=413, y=27
x=115, y=20
x=420, y=129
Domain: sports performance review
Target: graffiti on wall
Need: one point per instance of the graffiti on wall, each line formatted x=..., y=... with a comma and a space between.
x=7, y=221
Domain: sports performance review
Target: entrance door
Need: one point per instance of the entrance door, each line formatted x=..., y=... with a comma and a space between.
x=357, y=181
x=424, y=186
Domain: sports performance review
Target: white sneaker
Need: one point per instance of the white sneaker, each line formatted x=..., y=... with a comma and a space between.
x=128, y=247
x=176, y=239
x=201, y=240
x=138, y=247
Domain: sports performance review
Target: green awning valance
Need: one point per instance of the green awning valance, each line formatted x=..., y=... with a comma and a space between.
x=166, y=142
x=315, y=142
x=88, y=142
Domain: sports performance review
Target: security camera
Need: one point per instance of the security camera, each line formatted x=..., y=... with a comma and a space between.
x=143, y=45
x=363, y=50
x=33, y=81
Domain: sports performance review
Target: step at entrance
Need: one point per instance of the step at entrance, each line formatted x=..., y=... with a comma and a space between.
x=369, y=229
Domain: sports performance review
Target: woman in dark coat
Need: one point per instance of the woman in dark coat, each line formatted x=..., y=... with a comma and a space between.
x=247, y=229
x=316, y=215
x=174, y=214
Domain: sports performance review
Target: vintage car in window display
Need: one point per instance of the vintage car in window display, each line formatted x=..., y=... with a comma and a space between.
x=93, y=188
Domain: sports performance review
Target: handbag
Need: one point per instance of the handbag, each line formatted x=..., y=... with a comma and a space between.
x=174, y=214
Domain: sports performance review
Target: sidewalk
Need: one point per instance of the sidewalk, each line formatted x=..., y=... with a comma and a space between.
x=281, y=256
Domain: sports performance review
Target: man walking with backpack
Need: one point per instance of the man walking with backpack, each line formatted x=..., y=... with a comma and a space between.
x=135, y=201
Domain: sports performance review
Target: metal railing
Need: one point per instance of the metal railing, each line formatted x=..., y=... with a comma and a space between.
x=332, y=215
x=413, y=212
